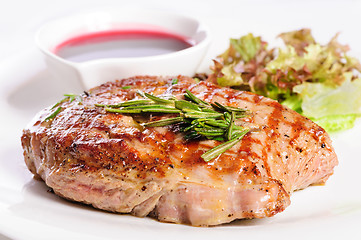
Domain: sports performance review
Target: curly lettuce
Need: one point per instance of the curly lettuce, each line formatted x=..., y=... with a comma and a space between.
x=241, y=63
x=319, y=81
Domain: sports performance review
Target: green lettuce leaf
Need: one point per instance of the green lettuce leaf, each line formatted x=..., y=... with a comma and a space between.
x=294, y=102
x=244, y=48
x=335, y=123
x=287, y=58
x=322, y=100
x=247, y=46
x=229, y=77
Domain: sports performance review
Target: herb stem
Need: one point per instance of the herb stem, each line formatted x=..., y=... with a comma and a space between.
x=221, y=148
x=197, y=118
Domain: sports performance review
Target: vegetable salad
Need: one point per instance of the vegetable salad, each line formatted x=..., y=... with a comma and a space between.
x=318, y=81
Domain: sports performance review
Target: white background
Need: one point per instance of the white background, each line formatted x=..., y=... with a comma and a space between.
x=20, y=61
x=20, y=19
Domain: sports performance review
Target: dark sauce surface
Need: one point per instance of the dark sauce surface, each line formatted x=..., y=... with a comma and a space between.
x=121, y=44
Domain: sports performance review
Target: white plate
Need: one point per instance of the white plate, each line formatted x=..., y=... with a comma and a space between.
x=29, y=211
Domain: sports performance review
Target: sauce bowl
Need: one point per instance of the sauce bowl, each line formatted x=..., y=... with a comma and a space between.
x=97, y=71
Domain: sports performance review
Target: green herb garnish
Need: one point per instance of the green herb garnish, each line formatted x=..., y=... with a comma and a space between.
x=196, y=118
x=174, y=81
x=51, y=116
x=216, y=151
x=126, y=87
x=68, y=97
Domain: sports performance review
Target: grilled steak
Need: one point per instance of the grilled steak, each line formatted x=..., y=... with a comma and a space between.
x=105, y=159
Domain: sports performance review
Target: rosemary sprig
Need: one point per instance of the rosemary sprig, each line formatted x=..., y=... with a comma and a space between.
x=157, y=99
x=197, y=118
x=164, y=122
x=68, y=97
x=192, y=97
x=56, y=112
x=216, y=151
x=126, y=87
x=174, y=81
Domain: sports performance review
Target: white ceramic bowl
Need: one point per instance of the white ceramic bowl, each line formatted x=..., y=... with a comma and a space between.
x=94, y=72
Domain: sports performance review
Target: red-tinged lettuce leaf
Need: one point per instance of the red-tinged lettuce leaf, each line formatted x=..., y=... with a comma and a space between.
x=299, y=39
x=230, y=77
x=319, y=81
x=279, y=84
x=242, y=63
x=326, y=63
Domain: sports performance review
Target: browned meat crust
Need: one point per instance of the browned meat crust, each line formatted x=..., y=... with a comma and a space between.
x=105, y=159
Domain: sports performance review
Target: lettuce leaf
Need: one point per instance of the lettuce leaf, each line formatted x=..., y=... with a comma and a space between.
x=335, y=123
x=294, y=102
x=321, y=100
x=230, y=77
x=244, y=48
x=298, y=39
x=242, y=63
x=319, y=81
x=247, y=46
x=287, y=58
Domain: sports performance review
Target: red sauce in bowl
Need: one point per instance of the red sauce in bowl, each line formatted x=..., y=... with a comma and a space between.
x=121, y=44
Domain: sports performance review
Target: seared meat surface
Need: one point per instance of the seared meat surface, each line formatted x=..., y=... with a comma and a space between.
x=108, y=160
